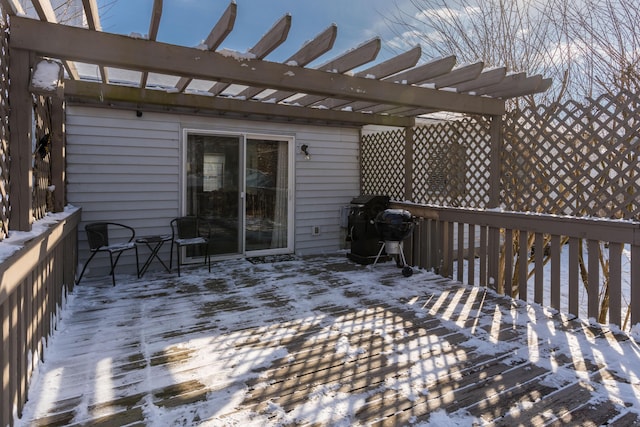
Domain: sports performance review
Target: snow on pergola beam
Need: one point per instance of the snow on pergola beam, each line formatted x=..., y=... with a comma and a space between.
x=70, y=43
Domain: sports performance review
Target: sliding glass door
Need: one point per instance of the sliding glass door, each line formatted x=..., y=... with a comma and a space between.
x=240, y=186
x=213, y=187
x=267, y=195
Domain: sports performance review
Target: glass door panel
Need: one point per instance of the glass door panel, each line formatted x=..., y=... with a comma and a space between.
x=213, y=190
x=266, y=195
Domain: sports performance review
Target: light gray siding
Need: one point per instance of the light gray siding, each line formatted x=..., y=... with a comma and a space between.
x=127, y=169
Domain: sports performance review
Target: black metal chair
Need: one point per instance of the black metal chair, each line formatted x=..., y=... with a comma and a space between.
x=98, y=237
x=186, y=231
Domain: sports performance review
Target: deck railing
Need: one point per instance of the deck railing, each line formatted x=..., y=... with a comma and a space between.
x=577, y=266
x=33, y=282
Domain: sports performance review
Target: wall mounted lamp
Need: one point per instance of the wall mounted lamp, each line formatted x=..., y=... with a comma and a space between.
x=305, y=150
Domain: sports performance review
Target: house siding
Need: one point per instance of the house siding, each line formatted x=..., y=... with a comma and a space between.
x=124, y=168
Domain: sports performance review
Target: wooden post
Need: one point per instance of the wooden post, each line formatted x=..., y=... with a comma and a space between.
x=408, y=163
x=58, y=150
x=20, y=143
x=494, y=169
x=634, y=306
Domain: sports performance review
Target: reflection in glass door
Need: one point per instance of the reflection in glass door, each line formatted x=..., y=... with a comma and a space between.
x=240, y=188
x=266, y=195
x=213, y=190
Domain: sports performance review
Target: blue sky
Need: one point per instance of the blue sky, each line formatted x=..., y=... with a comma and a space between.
x=188, y=22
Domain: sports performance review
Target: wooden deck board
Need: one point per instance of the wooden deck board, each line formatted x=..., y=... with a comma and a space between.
x=391, y=350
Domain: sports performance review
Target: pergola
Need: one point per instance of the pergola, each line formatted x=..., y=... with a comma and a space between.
x=211, y=81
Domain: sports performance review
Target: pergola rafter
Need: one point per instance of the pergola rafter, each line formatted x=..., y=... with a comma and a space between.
x=391, y=66
x=154, y=26
x=271, y=40
x=393, y=92
x=321, y=44
x=45, y=12
x=93, y=22
x=349, y=60
x=218, y=33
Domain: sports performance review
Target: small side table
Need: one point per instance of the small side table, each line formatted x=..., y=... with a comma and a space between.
x=154, y=243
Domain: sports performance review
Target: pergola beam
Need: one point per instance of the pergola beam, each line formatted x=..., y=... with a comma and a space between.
x=108, y=93
x=93, y=47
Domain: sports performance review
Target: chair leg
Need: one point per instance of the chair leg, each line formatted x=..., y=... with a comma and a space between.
x=137, y=262
x=171, y=256
x=85, y=266
x=178, y=258
x=113, y=267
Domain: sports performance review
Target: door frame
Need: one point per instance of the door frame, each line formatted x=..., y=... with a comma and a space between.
x=242, y=138
x=290, y=139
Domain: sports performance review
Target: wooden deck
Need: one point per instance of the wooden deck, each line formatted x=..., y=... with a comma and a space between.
x=323, y=341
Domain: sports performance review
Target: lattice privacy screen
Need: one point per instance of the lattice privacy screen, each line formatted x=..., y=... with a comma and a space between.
x=42, y=197
x=574, y=159
x=450, y=164
x=383, y=158
x=569, y=159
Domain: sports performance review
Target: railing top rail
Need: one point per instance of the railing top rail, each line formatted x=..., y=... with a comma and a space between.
x=607, y=230
x=19, y=264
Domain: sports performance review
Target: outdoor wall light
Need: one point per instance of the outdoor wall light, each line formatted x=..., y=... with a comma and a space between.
x=305, y=150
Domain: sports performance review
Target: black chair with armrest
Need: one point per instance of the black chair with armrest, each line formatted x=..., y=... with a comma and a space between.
x=100, y=239
x=187, y=231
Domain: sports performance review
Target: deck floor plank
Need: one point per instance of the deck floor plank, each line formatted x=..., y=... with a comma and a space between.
x=288, y=338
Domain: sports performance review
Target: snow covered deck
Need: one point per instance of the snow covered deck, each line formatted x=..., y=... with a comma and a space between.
x=323, y=341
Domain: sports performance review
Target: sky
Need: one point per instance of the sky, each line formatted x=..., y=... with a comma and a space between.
x=188, y=22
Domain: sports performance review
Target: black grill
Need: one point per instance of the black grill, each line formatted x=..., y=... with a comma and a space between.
x=362, y=232
x=394, y=225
